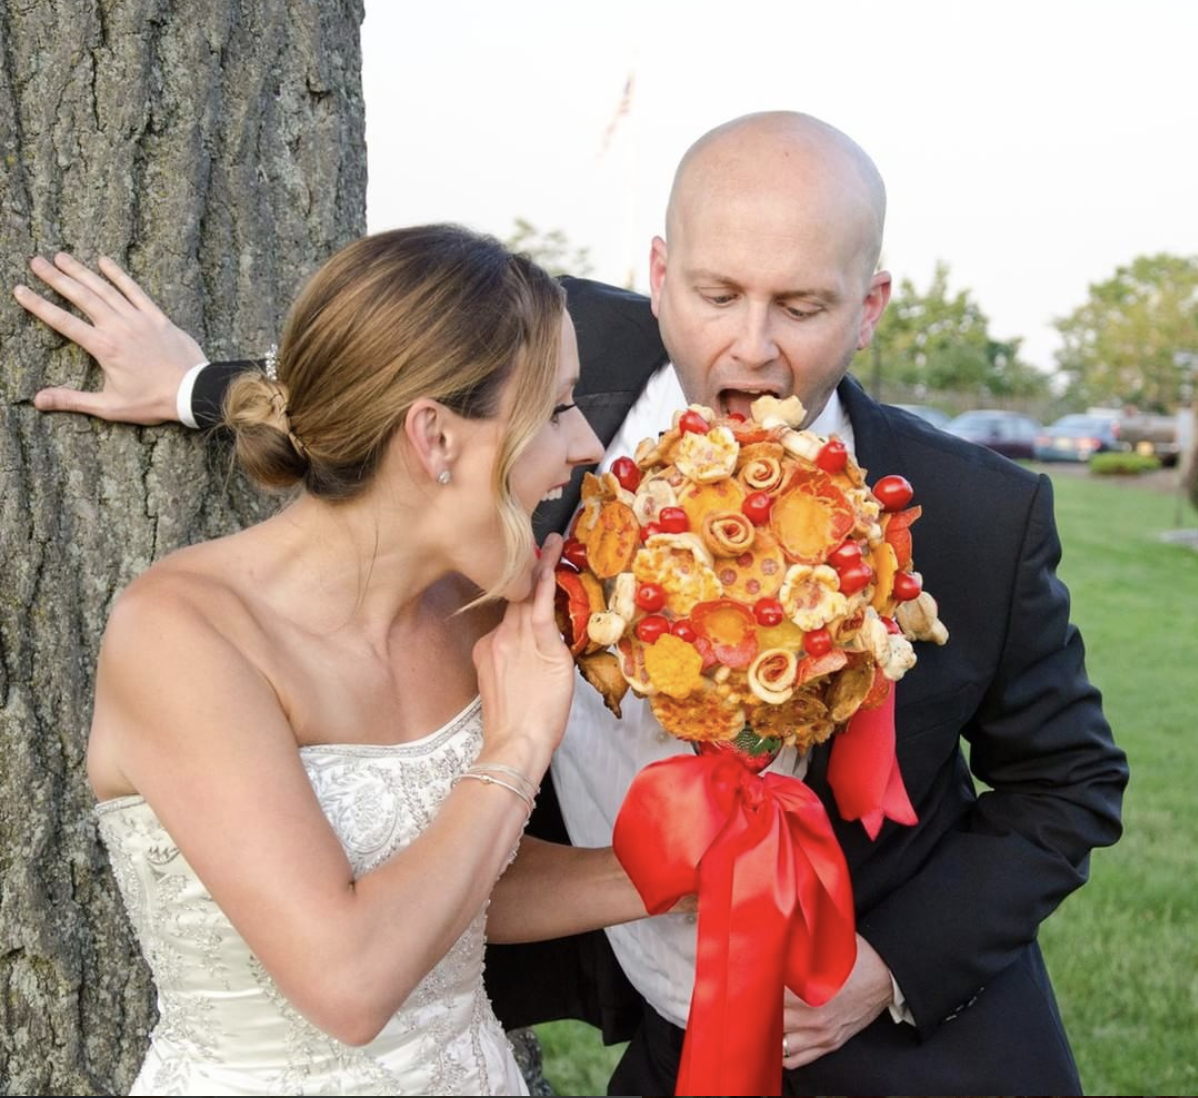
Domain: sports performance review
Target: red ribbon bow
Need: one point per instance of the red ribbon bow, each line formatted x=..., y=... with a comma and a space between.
x=864, y=774
x=775, y=905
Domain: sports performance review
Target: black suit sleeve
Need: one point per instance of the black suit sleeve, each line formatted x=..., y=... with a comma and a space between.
x=211, y=384
x=1039, y=741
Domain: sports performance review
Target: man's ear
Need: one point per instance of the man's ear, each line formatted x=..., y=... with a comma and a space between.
x=657, y=272
x=876, y=301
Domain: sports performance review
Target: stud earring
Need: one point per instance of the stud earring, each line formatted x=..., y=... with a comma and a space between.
x=444, y=477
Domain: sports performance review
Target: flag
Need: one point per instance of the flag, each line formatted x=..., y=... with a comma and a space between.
x=622, y=108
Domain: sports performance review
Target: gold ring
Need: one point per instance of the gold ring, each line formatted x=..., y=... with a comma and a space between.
x=785, y=1047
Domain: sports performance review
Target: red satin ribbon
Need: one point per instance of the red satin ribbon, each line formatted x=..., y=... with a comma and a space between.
x=864, y=774
x=775, y=906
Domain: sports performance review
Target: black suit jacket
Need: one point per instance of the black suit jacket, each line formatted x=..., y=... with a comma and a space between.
x=954, y=903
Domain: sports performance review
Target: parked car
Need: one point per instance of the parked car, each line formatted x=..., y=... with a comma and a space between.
x=1011, y=434
x=1078, y=437
x=934, y=416
x=1152, y=434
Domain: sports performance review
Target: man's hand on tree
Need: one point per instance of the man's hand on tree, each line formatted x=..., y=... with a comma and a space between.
x=143, y=355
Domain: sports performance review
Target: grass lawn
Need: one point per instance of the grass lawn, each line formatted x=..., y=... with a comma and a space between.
x=1124, y=964
x=1123, y=961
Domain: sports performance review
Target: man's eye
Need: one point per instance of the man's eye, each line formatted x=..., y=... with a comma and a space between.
x=717, y=298
x=800, y=314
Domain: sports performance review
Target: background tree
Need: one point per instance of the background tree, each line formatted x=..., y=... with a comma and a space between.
x=939, y=341
x=550, y=248
x=1132, y=340
x=216, y=150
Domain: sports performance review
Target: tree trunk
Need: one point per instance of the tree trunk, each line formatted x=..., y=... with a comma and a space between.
x=216, y=150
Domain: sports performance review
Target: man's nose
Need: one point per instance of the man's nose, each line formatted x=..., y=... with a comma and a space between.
x=754, y=344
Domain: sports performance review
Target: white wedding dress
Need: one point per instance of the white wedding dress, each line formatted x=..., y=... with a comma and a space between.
x=224, y=1028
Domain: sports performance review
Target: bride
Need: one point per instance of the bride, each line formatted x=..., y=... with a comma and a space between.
x=314, y=756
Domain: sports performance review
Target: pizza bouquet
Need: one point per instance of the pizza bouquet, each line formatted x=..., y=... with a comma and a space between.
x=741, y=575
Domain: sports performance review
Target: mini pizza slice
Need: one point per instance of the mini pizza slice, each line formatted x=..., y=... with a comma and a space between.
x=679, y=569
x=704, y=716
x=701, y=500
x=757, y=573
x=810, y=516
x=707, y=458
x=801, y=722
x=611, y=540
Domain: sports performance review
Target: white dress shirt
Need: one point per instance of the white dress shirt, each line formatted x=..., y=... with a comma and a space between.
x=600, y=755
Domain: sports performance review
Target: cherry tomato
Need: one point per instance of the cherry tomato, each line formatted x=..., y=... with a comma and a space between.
x=832, y=456
x=648, y=530
x=757, y=507
x=625, y=470
x=737, y=417
x=575, y=553
x=855, y=577
x=651, y=597
x=768, y=612
x=817, y=643
x=893, y=492
x=846, y=553
x=651, y=628
x=683, y=630
x=693, y=422
x=906, y=587
x=673, y=520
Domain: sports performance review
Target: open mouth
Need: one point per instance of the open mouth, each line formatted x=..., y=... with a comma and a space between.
x=739, y=400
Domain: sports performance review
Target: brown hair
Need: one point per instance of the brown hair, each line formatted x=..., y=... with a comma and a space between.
x=432, y=311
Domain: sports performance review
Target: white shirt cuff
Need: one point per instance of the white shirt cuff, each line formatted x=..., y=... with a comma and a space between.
x=183, y=396
x=898, y=1008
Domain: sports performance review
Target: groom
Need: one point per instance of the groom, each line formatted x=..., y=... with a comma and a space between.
x=766, y=281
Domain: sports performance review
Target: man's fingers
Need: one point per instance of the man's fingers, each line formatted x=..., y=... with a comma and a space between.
x=136, y=295
x=88, y=279
x=64, y=323
x=74, y=400
x=75, y=292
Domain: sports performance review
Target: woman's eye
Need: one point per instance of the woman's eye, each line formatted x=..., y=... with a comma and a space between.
x=560, y=411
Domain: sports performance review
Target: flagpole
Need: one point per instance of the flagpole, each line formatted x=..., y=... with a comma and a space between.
x=629, y=165
x=631, y=175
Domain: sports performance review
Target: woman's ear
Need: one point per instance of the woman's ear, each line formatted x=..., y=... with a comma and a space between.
x=429, y=432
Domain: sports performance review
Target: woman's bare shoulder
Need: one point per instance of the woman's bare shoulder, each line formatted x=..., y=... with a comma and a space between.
x=195, y=590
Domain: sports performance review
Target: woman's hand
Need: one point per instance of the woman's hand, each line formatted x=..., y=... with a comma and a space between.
x=143, y=355
x=526, y=673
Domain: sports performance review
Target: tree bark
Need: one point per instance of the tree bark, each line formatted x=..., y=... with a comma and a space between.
x=216, y=150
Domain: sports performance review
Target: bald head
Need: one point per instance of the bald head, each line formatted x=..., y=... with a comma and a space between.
x=767, y=280
x=783, y=158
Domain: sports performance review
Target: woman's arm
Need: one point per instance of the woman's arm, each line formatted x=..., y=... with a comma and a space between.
x=201, y=734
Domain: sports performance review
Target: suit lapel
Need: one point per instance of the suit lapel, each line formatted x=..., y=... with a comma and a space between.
x=875, y=446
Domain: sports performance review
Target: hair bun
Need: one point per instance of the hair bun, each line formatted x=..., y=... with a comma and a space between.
x=267, y=447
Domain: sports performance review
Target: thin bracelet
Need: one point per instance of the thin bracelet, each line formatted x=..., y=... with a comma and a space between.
x=496, y=781
x=526, y=783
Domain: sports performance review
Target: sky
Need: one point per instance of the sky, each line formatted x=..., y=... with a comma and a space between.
x=1034, y=147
